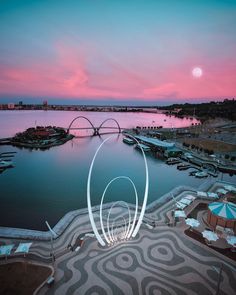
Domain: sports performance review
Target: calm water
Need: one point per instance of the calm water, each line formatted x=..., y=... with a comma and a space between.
x=44, y=185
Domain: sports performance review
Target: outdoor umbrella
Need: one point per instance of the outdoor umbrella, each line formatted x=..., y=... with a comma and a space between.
x=209, y=235
x=180, y=213
x=221, y=191
x=190, y=197
x=185, y=201
x=180, y=205
x=230, y=188
x=231, y=240
x=23, y=248
x=192, y=222
x=212, y=195
x=6, y=249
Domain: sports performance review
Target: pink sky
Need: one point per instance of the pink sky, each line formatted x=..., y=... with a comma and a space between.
x=68, y=76
x=141, y=51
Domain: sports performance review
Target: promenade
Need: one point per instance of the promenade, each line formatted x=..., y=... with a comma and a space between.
x=161, y=258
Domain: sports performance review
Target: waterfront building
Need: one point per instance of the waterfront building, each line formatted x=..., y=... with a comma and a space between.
x=162, y=148
x=173, y=152
x=45, y=103
x=11, y=106
x=155, y=142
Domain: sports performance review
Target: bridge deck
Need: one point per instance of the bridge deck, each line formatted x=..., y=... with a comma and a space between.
x=84, y=128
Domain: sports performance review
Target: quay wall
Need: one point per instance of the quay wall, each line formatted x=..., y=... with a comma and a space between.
x=67, y=219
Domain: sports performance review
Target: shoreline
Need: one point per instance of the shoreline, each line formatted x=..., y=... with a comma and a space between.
x=67, y=219
x=58, y=142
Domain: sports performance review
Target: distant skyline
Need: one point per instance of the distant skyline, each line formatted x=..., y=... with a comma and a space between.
x=130, y=52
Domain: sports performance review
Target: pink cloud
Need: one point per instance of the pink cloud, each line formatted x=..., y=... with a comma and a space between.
x=160, y=91
x=69, y=75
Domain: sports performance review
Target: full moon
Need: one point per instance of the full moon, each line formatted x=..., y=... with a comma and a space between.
x=197, y=72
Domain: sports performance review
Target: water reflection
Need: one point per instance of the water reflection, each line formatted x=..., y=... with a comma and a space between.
x=45, y=185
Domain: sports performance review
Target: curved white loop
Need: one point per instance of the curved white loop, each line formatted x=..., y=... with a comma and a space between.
x=112, y=228
x=97, y=235
x=108, y=218
x=101, y=205
x=132, y=232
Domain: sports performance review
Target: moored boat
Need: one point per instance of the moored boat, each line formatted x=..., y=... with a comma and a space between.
x=128, y=140
x=201, y=174
x=183, y=166
x=173, y=161
x=192, y=173
x=5, y=164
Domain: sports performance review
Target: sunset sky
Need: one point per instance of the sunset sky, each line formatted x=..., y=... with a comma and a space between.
x=117, y=51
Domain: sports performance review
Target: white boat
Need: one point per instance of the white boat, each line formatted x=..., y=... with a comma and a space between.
x=128, y=140
x=201, y=174
x=5, y=164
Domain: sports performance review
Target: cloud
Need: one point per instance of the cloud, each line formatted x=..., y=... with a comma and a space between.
x=162, y=91
x=82, y=71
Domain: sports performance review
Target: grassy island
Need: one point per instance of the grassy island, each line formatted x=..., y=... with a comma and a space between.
x=41, y=137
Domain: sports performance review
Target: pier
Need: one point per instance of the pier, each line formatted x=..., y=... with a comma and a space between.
x=5, y=141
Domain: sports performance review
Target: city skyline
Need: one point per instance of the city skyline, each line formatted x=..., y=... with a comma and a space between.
x=126, y=52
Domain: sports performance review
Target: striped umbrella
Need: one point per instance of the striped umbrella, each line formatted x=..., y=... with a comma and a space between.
x=225, y=210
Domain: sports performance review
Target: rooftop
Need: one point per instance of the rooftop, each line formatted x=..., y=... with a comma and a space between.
x=155, y=142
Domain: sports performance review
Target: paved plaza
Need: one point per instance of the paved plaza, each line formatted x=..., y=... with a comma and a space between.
x=161, y=259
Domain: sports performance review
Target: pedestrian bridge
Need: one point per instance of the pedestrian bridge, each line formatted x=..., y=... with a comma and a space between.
x=97, y=130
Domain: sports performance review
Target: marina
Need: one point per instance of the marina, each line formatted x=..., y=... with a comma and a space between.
x=117, y=147
x=44, y=189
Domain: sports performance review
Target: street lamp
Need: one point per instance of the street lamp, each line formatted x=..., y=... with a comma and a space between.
x=53, y=235
x=219, y=271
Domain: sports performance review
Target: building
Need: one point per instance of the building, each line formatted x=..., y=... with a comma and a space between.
x=11, y=106
x=173, y=152
x=154, y=142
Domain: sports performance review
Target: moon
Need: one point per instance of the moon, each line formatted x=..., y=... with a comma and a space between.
x=197, y=72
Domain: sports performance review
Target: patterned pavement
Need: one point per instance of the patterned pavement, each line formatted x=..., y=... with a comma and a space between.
x=159, y=261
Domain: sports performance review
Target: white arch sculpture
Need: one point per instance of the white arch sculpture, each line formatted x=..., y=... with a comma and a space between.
x=109, y=213
x=101, y=205
x=112, y=227
x=143, y=208
x=108, y=239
